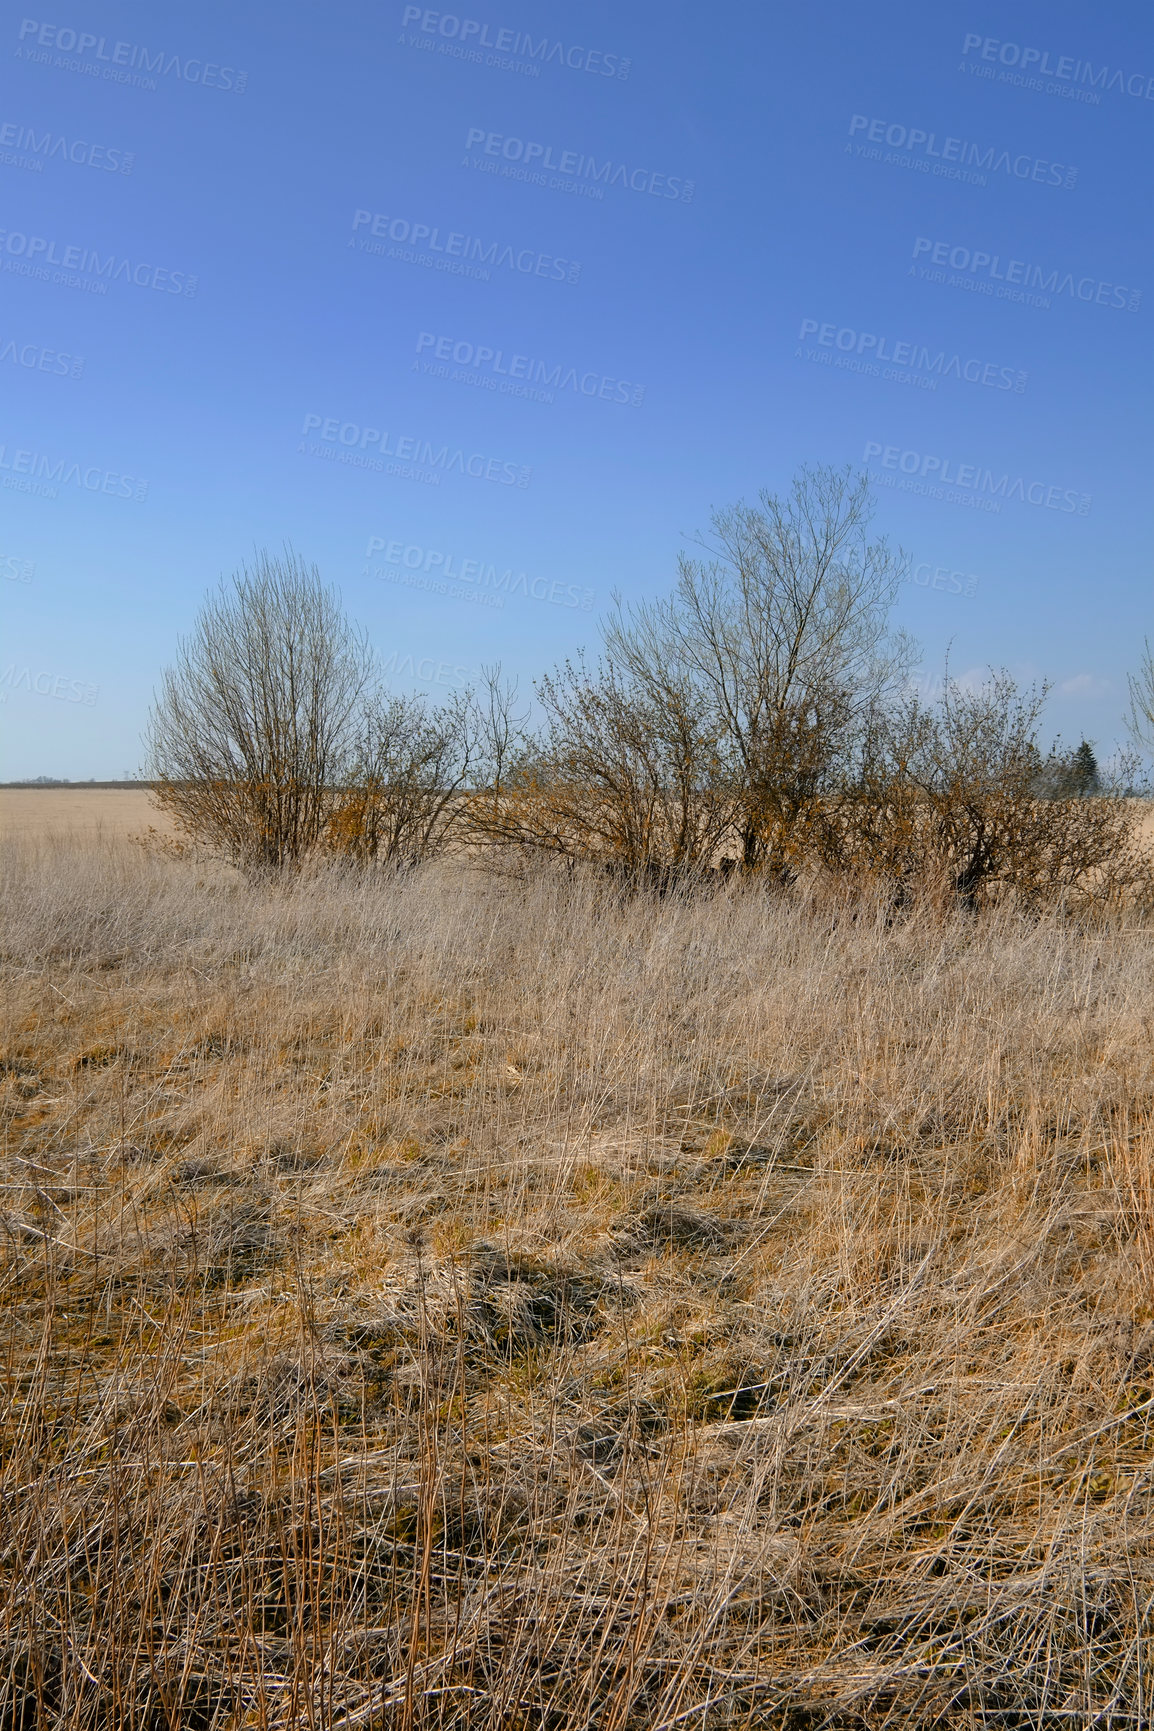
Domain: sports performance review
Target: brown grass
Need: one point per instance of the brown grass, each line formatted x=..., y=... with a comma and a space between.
x=61, y=812
x=447, y=1302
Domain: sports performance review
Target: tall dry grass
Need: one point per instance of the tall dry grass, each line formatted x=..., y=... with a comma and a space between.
x=438, y=1301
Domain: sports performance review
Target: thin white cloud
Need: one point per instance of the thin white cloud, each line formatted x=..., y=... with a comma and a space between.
x=1084, y=685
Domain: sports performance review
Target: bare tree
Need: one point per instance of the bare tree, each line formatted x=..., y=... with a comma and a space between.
x=500, y=733
x=409, y=764
x=625, y=775
x=250, y=735
x=783, y=631
x=961, y=799
x=1140, y=715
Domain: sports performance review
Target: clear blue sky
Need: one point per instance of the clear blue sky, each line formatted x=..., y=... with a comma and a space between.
x=793, y=258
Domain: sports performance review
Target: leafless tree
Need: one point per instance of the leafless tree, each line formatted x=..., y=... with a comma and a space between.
x=409, y=763
x=250, y=735
x=1140, y=715
x=783, y=631
x=961, y=798
x=501, y=735
x=624, y=774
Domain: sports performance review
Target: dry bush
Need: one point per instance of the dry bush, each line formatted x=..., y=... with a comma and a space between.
x=752, y=720
x=436, y=1303
x=251, y=730
x=780, y=639
x=624, y=775
x=722, y=720
x=962, y=797
x=409, y=761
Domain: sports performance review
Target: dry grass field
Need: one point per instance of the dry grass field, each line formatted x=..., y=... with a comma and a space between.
x=54, y=813
x=452, y=1302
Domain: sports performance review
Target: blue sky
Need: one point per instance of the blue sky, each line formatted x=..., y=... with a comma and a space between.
x=325, y=265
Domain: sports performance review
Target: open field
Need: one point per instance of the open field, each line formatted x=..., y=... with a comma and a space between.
x=58, y=813
x=454, y=1302
x=70, y=811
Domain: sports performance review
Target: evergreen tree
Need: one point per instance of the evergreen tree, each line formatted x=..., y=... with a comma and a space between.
x=1082, y=773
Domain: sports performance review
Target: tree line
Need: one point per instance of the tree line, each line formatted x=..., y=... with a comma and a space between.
x=759, y=721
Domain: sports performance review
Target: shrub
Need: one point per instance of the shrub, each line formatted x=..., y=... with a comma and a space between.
x=253, y=724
